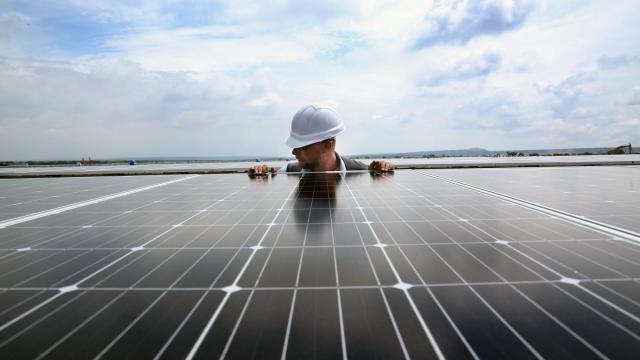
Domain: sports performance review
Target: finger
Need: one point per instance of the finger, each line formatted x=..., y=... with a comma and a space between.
x=257, y=170
x=386, y=166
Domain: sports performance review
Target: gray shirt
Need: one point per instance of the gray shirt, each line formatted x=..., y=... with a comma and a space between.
x=345, y=164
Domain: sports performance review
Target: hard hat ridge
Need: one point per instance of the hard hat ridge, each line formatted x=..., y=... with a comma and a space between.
x=312, y=124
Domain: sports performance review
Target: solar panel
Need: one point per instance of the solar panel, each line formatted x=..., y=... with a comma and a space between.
x=418, y=264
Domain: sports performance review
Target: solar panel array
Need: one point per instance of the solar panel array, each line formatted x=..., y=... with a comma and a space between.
x=412, y=265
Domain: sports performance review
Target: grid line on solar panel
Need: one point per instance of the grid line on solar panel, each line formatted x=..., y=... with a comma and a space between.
x=590, y=260
x=571, y=281
x=463, y=248
x=164, y=259
x=604, y=227
x=583, y=191
x=231, y=289
x=295, y=292
x=591, y=243
x=501, y=319
x=4, y=326
x=64, y=208
x=376, y=276
x=400, y=283
x=621, y=274
x=79, y=189
x=62, y=234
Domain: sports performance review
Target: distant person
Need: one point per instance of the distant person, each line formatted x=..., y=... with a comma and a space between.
x=313, y=140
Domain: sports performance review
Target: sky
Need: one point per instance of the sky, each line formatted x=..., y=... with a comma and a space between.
x=126, y=78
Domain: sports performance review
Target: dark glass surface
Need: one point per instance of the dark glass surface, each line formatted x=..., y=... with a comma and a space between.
x=487, y=334
x=317, y=267
x=601, y=333
x=369, y=330
x=542, y=332
x=262, y=328
x=315, y=326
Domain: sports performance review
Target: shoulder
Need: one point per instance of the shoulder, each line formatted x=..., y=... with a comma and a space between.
x=351, y=164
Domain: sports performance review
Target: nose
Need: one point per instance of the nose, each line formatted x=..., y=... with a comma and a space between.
x=295, y=151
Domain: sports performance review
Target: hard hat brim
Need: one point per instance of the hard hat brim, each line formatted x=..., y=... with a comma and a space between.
x=296, y=142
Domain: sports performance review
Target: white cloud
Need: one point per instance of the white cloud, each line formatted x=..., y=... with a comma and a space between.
x=477, y=65
x=218, y=48
x=118, y=109
x=565, y=127
x=267, y=101
x=460, y=21
x=569, y=93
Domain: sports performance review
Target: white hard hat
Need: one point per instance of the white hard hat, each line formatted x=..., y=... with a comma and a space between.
x=312, y=124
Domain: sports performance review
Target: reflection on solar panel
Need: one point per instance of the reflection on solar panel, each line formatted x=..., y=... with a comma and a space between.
x=420, y=264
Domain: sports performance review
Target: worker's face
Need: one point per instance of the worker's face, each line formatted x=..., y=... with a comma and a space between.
x=309, y=156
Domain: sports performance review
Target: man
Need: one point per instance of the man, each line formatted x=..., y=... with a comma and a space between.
x=313, y=140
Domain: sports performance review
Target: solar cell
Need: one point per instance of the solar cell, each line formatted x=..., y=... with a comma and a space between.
x=412, y=265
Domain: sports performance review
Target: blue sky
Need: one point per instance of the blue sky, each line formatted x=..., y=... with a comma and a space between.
x=213, y=78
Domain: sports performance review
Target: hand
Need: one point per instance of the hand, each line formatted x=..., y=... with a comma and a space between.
x=381, y=166
x=262, y=169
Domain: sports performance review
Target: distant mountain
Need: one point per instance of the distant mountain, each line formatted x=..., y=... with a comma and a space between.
x=462, y=152
x=435, y=153
x=595, y=151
